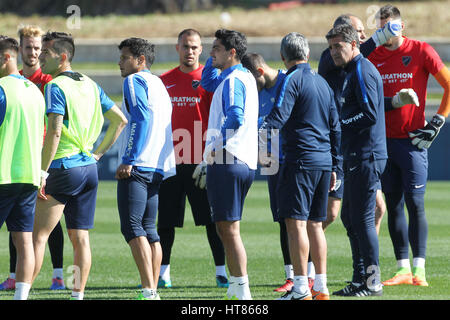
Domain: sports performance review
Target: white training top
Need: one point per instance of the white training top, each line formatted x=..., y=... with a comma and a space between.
x=147, y=139
x=243, y=144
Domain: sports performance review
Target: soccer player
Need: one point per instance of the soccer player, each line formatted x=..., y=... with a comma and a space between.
x=231, y=149
x=146, y=157
x=268, y=81
x=22, y=110
x=30, y=48
x=405, y=65
x=76, y=107
x=306, y=114
x=363, y=149
x=190, y=113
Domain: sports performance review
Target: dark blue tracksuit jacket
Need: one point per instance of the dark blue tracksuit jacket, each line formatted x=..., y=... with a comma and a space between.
x=334, y=75
x=362, y=114
x=307, y=116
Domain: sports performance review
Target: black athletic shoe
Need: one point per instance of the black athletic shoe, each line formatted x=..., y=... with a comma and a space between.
x=363, y=291
x=348, y=290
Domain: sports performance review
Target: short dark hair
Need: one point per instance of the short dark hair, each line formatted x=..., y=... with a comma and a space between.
x=342, y=19
x=8, y=43
x=347, y=32
x=388, y=11
x=252, y=61
x=188, y=32
x=140, y=47
x=62, y=43
x=231, y=39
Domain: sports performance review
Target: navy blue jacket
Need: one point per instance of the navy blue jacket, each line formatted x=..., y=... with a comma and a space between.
x=307, y=116
x=334, y=75
x=362, y=114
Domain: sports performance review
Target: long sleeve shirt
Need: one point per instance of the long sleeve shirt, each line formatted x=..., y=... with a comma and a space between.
x=307, y=116
x=362, y=114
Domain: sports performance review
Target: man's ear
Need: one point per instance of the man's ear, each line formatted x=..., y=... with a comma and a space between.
x=233, y=52
x=6, y=57
x=63, y=58
x=260, y=71
x=141, y=60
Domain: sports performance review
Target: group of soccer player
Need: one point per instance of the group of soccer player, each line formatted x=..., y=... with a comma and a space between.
x=344, y=134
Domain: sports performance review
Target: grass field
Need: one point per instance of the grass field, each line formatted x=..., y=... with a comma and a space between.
x=114, y=274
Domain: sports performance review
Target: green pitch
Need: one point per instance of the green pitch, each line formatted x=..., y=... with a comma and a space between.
x=114, y=274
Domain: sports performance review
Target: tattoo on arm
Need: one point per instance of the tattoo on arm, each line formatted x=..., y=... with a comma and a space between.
x=57, y=123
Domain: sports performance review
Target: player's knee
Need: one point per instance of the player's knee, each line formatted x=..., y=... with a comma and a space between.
x=152, y=235
x=415, y=202
x=331, y=216
x=228, y=231
x=129, y=233
x=314, y=226
x=380, y=206
x=79, y=238
x=22, y=240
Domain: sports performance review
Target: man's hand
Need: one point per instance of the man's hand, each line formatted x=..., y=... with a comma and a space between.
x=199, y=175
x=404, y=97
x=333, y=180
x=41, y=192
x=389, y=30
x=123, y=171
x=265, y=158
x=422, y=138
x=96, y=156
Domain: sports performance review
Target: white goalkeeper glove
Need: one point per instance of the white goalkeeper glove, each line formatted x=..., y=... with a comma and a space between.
x=389, y=30
x=422, y=138
x=404, y=97
x=199, y=175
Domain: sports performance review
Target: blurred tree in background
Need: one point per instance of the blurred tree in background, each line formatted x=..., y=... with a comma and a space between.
x=104, y=7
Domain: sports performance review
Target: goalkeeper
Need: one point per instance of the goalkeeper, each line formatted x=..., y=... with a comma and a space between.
x=405, y=65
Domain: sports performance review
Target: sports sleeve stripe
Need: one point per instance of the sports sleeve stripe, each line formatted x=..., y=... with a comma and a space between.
x=131, y=88
x=48, y=95
x=2, y=105
x=55, y=99
x=361, y=82
x=283, y=89
x=231, y=91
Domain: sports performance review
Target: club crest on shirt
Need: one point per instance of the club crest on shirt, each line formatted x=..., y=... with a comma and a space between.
x=195, y=83
x=406, y=60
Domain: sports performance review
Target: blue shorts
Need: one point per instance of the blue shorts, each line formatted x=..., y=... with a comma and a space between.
x=227, y=186
x=406, y=167
x=302, y=193
x=362, y=180
x=272, y=184
x=338, y=193
x=17, y=206
x=172, y=199
x=137, y=200
x=76, y=188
